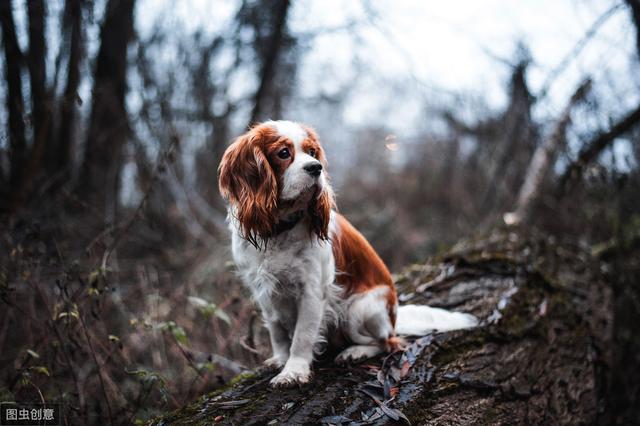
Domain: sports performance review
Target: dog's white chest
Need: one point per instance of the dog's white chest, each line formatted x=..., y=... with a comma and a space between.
x=289, y=266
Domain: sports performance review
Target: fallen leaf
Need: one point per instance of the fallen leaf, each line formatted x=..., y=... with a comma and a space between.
x=405, y=369
x=235, y=403
x=390, y=412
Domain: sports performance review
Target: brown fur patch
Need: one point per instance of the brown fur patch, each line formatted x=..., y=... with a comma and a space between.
x=358, y=266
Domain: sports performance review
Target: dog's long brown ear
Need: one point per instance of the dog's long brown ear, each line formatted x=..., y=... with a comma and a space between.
x=248, y=182
x=320, y=212
x=320, y=209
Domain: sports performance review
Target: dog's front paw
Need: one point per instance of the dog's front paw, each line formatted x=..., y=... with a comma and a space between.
x=274, y=363
x=355, y=354
x=295, y=372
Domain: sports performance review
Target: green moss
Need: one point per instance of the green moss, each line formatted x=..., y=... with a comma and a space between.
x=187, y=414
x=238, y=378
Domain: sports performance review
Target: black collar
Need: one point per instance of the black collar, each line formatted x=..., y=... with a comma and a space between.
x=288, y=223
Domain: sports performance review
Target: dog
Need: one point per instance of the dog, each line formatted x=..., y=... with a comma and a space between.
x=316, y=279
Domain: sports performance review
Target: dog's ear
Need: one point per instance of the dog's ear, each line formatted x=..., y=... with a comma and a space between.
x=320, y=211
x=248, y=182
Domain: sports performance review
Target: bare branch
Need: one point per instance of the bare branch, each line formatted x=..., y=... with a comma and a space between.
x=543, y=159
x=593, y=148
x=124, y=228
x=576, y=50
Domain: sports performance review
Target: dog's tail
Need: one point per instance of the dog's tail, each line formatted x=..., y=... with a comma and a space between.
x=418, y=320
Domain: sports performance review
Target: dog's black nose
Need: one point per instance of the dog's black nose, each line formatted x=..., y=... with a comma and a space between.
x=313, y=169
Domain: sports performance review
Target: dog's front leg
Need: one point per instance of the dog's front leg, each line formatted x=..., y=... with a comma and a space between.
x=297, y=369
x=280, y=344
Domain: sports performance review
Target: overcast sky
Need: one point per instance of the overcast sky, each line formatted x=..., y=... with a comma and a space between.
x=414, y=53
x=443, y=46
x=435, y=48
x=417, y=53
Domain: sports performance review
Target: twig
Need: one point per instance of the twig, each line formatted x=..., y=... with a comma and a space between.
x=73, y=198
x=201, y=207
x=592, y=149
x=188, y=357
x=39, y=392
x=95, y=360
x=608, y=249
x=543, y=158
x=575, y=51
x=63, y=348
x=245, y=345
x=106, y=231
x=184, y=207
x=248, y=342
x=123, y=229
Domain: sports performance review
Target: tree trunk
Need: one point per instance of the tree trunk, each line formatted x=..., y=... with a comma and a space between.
x=38, y=78
x=270, y=61
x=540, y=356
x=108, y=125
x=514, y=147
x=41, y=110
x=543, y=159
x=634, y=5
x=60, y=159
x=15, y=102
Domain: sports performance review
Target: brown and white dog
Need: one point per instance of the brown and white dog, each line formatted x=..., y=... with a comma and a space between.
x=310, y=271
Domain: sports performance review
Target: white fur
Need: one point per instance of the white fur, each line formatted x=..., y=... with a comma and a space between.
x=297, y=371
x=418, y=320
x=358, y=353
x=293, y=131
x=296, y=180
x=366, y=318
x=293, y=282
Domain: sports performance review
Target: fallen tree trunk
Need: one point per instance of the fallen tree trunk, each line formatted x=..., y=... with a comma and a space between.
x=541, y=354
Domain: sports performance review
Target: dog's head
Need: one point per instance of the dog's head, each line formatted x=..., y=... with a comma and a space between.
x=276, y=170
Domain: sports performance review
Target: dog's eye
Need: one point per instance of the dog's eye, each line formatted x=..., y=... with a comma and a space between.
x=284, y=153
x=312, y=152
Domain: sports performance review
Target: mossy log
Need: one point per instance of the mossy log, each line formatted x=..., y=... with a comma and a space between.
x=540, y=355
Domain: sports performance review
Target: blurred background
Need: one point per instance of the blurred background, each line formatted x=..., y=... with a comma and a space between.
x=441, y=121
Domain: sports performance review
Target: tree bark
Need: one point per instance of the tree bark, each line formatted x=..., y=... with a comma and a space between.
x=543, y=159
x=634, y=5
x=541, y=354
x=270, y=60
x=62, y=154
x=108, y=125
x=15, y=101
x=515, y=145
x=38, y=78
x=41, y=110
